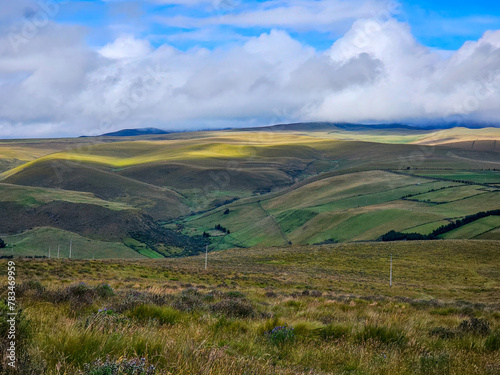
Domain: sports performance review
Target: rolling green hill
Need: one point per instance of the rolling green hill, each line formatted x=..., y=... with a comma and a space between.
x=41, y=241
x=357, y=206
x=299, y=183
x=156, y=201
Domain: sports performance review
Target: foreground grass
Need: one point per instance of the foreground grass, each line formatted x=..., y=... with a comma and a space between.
x=346, y=320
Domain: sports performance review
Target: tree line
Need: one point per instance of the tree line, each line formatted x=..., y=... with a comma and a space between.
x=399, y=236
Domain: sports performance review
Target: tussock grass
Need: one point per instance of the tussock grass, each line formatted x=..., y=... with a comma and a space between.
x=163, y=315
x=184, y=320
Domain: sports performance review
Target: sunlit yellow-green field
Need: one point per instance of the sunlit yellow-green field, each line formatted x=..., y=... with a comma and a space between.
x=270, y=187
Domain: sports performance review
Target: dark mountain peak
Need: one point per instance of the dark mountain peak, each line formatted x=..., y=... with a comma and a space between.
x=135, y=132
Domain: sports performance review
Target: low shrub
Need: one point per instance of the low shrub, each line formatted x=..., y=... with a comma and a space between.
x=443, y=333
x=135, y=298
x=238, y=308
x=78, y=295
x=33, y=286
x=131, y=300
x=281, y=335
x=475, y=326
x=81, y=294
x=189, y=300
x=104, y=290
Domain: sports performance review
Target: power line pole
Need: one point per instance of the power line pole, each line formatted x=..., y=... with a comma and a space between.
x=70, y=242
x=390, y=277
x=206, y=257
x=49, y=252
x=58, y=248
x=216, y=248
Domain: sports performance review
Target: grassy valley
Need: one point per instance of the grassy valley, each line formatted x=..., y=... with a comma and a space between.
x=299, y=184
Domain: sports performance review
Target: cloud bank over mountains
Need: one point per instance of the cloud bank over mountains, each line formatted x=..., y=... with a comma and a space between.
x=54, y=83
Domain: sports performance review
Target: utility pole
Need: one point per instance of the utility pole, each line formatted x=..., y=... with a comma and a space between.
x=58, y=248
x=70, y=242
x=216, y=248
x=390, y=277
x=206, y=257
x=49, y=252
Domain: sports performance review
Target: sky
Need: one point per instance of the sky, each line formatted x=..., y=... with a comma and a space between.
x=71, y=68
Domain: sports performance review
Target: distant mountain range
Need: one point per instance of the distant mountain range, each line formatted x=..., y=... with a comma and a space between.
x=135, y=132
x=311, y=126
x=322, y=126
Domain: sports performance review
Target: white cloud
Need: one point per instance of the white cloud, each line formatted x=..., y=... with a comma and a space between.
x=377, y=71
x=126, y=47
x=324, y=15
x=418, y=83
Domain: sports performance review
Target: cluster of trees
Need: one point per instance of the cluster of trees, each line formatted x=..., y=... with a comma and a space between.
x=222, y=229
x=2, y=244
x=398, y=236
x=219, y=228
